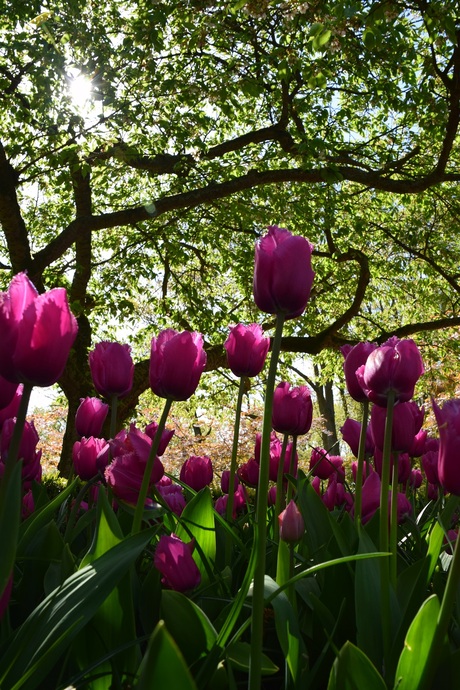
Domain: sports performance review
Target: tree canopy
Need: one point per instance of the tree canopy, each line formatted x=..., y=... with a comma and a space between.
x=205, y=121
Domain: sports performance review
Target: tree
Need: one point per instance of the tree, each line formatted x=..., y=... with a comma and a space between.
x=209, y=120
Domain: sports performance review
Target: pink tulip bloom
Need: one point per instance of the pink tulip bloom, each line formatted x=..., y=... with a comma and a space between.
x=292, y=525
x=355, y=357
x=246, y=348
x=37, y=333
x=112, y=369
x=351, y=431
x=177, y=361
x=197, y=472
x=394, y=366
x=173, y=558
x=166, y=436
x=282, y=273
x=292, y=409
x=90, y=417
x=90, y=456
x=248, y=473
x=407, y=420
x=448, y=419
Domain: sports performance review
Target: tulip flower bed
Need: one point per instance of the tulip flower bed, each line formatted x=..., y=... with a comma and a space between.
x=132, y=578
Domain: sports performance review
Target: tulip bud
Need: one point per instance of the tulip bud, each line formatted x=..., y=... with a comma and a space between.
x=90, y=456
x=292, y=526
x=177, y=361
x=90, y=417
x=197, y=472
x=246, y=348
x=173, y=558
x=292, y=409
x=282, y=273
x=112, y=369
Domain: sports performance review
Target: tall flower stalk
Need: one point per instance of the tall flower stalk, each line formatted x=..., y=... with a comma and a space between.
x=359, y=469
x=233, y=467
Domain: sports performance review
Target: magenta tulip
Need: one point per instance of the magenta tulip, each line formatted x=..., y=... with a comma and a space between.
x=415, y=479
x=37, y=333
x=90, y=456
x=370, y=497
x=90, y=417
x=351, y=432
x=275, y=459
x=166, y=436
x=197, y=472
x=282, y=273
x=125, y=473
x=112, y=369
x=12, y=409
x=246, y=348
x=28, y=453
x=448, y=420
x=324, y=465
x=248, y=473
x=292, y=409
x=173, y=558
x=177, y=361
x=355, y=357
x=173, y=496
x=291, y=522
x=407, y=420
x=8, y=391
x=225, y=481
x=394, y=366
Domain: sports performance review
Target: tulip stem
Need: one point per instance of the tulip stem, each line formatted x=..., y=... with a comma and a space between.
x=394, y=521
x=384, y=564
x=359, y=469
x=279, y=501
x=290, y=490
x=16, y=438
x=113, y=415
x=137, y=520
x=233, y=462
x=260, y=521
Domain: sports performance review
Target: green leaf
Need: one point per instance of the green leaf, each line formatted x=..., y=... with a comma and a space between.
x=48, y=631
x=352, y=670
x=10, y=515
x=163, y=665
x=411, y=666
x=239, y=655
x=189, y=626
x=197, y=521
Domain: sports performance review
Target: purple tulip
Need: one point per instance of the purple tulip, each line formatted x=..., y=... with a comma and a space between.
x=275, y=459
x=292, y=409
x=367, y=469
x=12, y=409
x=8, y=391
x=335, y=494
x=173, y=496
x=407, y=420
x=90, y=417
x=112, y=369
x=248, y=472
x=90, y=456
x=31, y=467
x=355, y=357
x=239, y=502
x=37, y=333
x=351, y=431
x=173, y=558
x=394, y=366
x=415, y=479
x=448, y=420
x=282, y=273
x=370, y=497
x=247, y=349
x=125, y=473
x=166, y=436
x=418, y=446
x=324, y=465
x=430, y=461
x=197, y=472
x=177, y=361
x=225, y=481
x=291, y=522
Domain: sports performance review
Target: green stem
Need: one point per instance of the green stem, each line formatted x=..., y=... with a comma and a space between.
x=384, y=563
x=15, y=442
x=394, y=521
x=260, y=522
x=359, y=469
x=290, y=490
x=279, y=502
x=233, y=462
x=137, y=520
x=444, y=619
x=113, y=415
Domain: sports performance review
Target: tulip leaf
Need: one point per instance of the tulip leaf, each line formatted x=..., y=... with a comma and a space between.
x=189, y=626
x=10, y=515
x=163, y=665
x=412, y=662
x=367, y=602
x=197, y=522
x=46, y=634
x=239, y=655
x=352, y=670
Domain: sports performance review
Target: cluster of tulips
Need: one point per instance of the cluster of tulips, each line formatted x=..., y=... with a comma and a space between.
x=38, y=332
